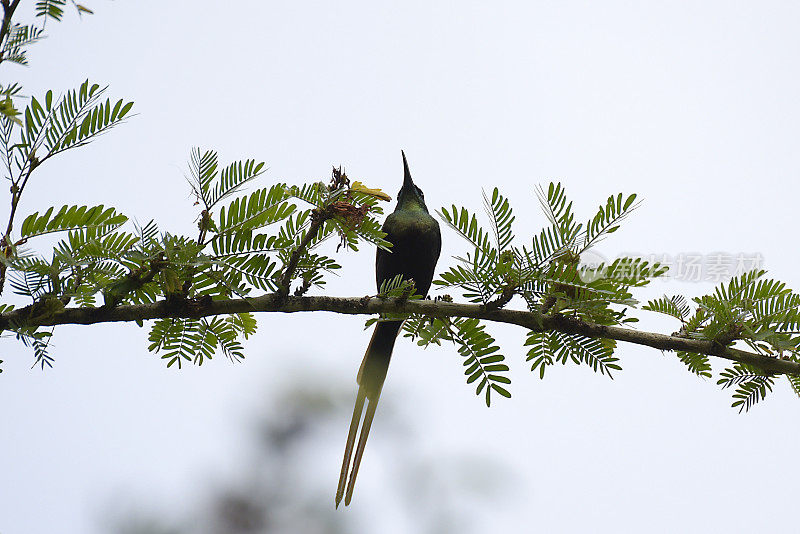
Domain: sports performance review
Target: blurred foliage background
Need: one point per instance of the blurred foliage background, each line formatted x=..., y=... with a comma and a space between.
x=278, y=489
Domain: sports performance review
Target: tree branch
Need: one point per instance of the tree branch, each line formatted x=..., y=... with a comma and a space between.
x=16, y=191
x=318, y=217
x=8, y=12
x=275, y=302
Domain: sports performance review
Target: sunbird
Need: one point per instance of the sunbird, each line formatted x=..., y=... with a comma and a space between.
x=416, y=243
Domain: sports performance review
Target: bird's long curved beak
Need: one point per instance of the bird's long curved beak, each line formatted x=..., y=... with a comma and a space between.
x=407, y=181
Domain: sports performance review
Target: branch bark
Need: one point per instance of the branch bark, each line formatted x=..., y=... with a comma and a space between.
x=275, y=302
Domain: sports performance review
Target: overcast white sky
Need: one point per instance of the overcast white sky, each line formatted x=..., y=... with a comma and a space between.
x=693, y=105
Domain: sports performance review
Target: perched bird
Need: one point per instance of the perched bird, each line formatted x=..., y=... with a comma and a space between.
x=416, y=244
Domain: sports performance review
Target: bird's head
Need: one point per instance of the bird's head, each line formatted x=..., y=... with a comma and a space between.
x=410, y=196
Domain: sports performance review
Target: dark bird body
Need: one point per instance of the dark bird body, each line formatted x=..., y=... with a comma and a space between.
x=416, y=244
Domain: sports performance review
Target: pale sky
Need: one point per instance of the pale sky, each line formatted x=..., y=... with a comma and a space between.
x=692, y=105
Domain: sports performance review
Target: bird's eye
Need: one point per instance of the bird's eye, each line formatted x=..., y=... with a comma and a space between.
x=420, y=192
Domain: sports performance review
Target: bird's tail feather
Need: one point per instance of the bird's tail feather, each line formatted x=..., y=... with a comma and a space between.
x=371, y=376
x=351, y=438
x=362, y=442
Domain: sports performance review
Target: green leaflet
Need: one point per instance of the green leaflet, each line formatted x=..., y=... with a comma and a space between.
x=19, y=37
x=261, y=208
x=550, y=347
x=547, y=274
x=484, y=366
x=675, y=306
x=750, y=385
x=196, y=340
x=50, y=8
x=68, y=218
x=211, y=186
x=69, y=121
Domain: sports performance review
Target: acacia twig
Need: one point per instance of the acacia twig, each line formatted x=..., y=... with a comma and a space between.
x=318, y=218
x=275, y=302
